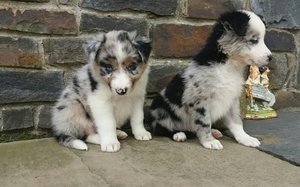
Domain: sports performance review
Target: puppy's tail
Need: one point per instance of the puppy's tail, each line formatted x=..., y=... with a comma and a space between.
x=71, y=142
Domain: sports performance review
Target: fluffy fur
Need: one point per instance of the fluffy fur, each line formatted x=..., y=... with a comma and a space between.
x=105, y=93
x=210, y=87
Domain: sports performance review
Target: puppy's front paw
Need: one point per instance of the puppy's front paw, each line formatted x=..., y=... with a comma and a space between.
x=248, y=141
x=142, y=135
x=212, y=144
x=110, y=146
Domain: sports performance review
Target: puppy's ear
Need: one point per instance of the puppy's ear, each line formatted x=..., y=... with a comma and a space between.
x=93, y=46
x=143, y=45
x=236, y=22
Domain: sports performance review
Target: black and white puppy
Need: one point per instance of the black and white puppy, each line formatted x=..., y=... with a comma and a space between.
x=105, y=93
x=210, y=87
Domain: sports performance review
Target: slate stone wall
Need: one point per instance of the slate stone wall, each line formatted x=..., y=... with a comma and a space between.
x=40, y=45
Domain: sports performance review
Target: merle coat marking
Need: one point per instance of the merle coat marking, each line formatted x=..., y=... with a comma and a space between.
x=105, y=93
x=210, y=87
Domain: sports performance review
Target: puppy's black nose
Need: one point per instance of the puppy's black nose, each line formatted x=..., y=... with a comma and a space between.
x=121, y=91
x=270, y=57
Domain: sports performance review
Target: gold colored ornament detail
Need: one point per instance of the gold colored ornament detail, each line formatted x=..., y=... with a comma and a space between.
x=259, y=97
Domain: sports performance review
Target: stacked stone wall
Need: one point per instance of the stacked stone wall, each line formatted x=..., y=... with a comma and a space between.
x=41, y=45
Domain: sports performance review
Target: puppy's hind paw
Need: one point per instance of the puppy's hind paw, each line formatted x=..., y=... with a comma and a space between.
x=216, y=133
x=121, y=135
x=79, y=144
x=212, y=144
x=179, y=137
x=143, y=135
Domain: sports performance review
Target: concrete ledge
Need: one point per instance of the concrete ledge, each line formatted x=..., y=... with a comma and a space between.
x=159, y=162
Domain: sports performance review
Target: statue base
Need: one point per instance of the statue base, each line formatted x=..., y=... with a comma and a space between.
x=261, y=113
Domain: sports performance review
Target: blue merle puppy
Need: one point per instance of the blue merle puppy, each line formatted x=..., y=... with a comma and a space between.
x=210, y=87
x=105, y=93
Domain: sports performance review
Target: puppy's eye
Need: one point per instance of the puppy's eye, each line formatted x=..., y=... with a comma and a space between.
x=132, y=67
x=108, y=68
x=253, y=41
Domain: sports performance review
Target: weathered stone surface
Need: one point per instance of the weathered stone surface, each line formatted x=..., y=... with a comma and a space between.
x=45, y=117
x=161, y=75
x=283, y=69
x=36, y=1
x=38, y=21
x=64, y=50
x=170, y=40
x=277, y=13
x=19, y=52
x=166, y=7
x=17, y=118
x=279, y=70
x=286, y=99
x=66, y=2
x=280, y=41
x=29, y=86
x=298, y=78
x=92, y=23
x=210, y=9
x=293, y=69
x=159, y=162
x=278, y=135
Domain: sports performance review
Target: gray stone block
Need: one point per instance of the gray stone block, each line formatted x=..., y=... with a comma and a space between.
x=286, y=99
x=279, y=70
x=64, y=50
x=161, y=75
x=30, y=86
x=210, y=9
x=19, y=52
x=298, y=79
x=45, y=117
x=283, y=68
x=166, y=7
x=67, y=2
x=92, y=23
x=178, y=40
x=280, y=41
x=36, y=1
x=38, y=21
x=279, y=136
x=278, y=13
x=17, y=118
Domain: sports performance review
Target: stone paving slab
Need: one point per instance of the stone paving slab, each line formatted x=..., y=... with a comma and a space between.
x=159, y=162
x=280, y=136
x=42, y=163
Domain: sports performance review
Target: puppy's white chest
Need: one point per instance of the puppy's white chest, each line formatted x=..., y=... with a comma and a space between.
x=122, y=108
x=227, y=91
